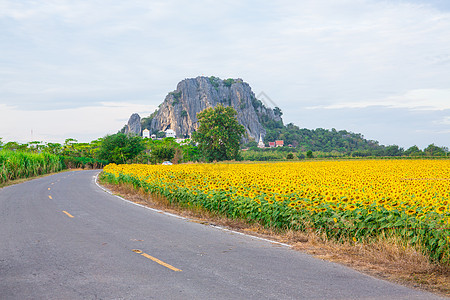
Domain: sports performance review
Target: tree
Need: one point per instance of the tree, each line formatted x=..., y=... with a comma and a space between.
x=190, y=152
x=53, y=148
x=68, y=147
x=160, y=134
x=413, y=151
x=163, y=150
x=14, y=146
x=219, y=133
x=309, y=154
x=394, y=150
x=433, y=150
x=120, y=148
x=277, y=111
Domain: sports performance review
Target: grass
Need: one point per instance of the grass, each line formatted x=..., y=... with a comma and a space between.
x=15, y=165
x=387, y=258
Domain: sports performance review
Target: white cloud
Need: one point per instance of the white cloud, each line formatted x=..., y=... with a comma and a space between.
x=425, y=99
x=445, y=121
x=83, y=123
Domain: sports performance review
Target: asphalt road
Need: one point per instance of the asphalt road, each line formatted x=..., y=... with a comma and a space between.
x=62, y=237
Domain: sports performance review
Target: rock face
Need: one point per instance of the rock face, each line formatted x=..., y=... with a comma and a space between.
x=134, y=125
x=180, y=107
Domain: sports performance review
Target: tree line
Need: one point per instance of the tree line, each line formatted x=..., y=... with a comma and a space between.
x=219, y=138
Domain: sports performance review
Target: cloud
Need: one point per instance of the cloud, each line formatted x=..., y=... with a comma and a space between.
x=84, y=123
x=444, y=121
x=425, y=99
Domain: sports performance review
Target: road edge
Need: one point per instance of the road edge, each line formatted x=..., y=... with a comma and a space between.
x=188, y=219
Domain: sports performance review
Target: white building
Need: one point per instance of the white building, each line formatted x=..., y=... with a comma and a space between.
x=146, y=133
x=261, y=143
x=170, y=133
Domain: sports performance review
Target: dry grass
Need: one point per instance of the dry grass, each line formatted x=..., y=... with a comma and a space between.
x=386, y=258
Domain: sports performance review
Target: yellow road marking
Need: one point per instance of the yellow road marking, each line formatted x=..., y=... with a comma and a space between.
x=157, y=260
x=50, y=197
x=69, y=215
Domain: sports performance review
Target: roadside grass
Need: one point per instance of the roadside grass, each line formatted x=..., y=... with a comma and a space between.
x=387, y=257
x=22, y=180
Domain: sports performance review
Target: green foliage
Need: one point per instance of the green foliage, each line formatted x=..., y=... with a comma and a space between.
x=183, y=114
x=72, y=162
x=277, y=111
x=255, y=155
x=53, y=148
x=251, y=144
x=414, y=151
x=163, y=151
x=146, y=123
x=191, y=152
x=120, y=148
x=14, y=146
x=433, y=150
x=176, y=97
x=256, y=103
x=228, y=82
x=290, y=156
x=17, y=164
x=214, y=81
x=309, y=154
x=160, y=134
x=393, y=150
x=321, y=139
x=219, y=133
x=157, y=151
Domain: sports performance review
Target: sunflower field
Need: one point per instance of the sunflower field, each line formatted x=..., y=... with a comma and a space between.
x=353, y=201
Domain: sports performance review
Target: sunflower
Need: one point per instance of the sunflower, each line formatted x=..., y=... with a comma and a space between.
x=441, y=209
x=410, y=212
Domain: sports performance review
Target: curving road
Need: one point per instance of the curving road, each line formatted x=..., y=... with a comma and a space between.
x=62, y=237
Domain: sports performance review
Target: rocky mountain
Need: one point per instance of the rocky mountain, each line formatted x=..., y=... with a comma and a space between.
x=180, y=107
x=133, y=126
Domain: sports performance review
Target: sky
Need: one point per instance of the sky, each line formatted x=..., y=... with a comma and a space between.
x=79, y=69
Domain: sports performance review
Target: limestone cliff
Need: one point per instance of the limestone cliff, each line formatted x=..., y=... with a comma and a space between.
x=180, y=107
x=133, y=126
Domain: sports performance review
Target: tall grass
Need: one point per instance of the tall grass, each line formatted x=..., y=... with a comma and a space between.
x=15, y=164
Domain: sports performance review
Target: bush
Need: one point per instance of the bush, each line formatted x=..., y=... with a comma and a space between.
x=228, y=82
x=120, y=148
